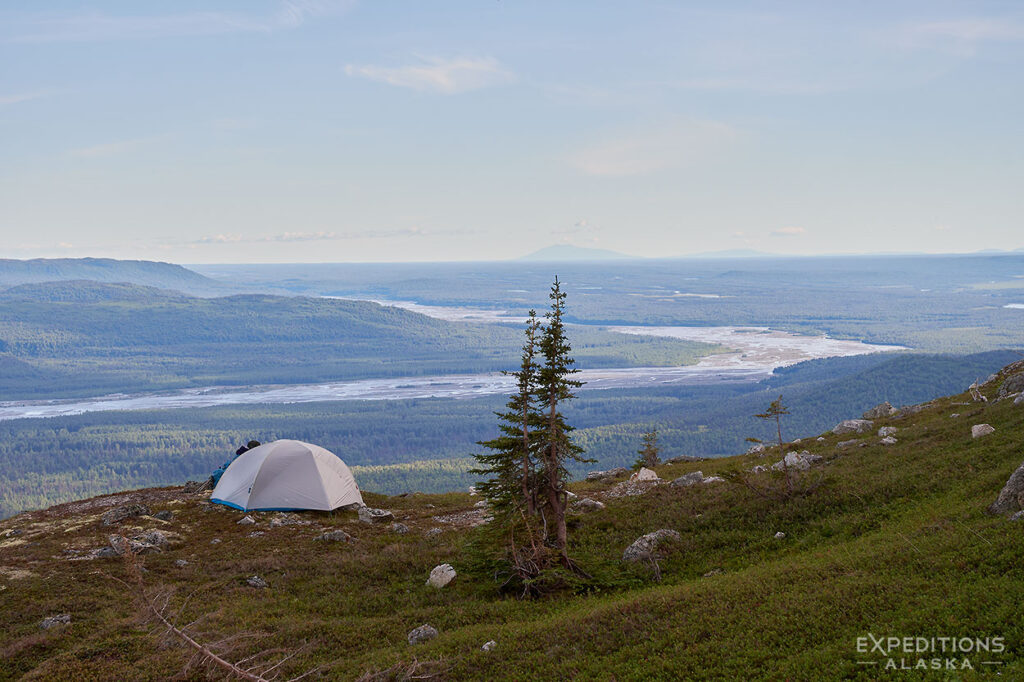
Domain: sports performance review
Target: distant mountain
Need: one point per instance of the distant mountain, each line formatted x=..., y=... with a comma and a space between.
x=567, y=252
x=147, y=273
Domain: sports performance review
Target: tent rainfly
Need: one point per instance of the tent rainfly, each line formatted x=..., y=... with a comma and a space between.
x=287, y=475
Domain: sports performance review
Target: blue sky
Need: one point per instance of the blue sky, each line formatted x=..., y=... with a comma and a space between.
x=319, y=130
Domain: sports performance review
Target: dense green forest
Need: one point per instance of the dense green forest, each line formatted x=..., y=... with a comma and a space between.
x=397, y=446
x=68, y=339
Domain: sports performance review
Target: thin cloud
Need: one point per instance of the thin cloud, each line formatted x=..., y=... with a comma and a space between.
x=670, y=146
x=790, y=231
x=324, y=235
x=434, y=74
x=111, y=148
x=21, y=97
x=961, y=36
x=93, y=26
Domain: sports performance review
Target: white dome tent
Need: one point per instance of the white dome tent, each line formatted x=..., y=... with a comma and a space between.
x=287, y=475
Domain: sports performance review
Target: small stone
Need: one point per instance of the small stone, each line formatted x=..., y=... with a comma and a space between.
x=881, y=411
x=432, y=532
x=756, y=449
x=1018, y=516
x=334, y=536
x=371, y=515
x=586, y=505
x=1019, y=400
x=255, y=534
x=246, y=521
x=53, y=621
x=423, y=633
x=954, y=415
x=482, y=504
x=888, y=440
x=180, y=563
x=713, y=572
x=758, y=469
x=820, y=439
x=780, y=535
x=570, y=495
x=846, y=443
x=127, y=511
x=979, y=430
x=283, y=519
x=645, y=474
x=852, y=426
x=713, y=479
x=488, y=646
x=399, y=528
x=887, y=431
x=688, y=479
x=441, y=576
x=257, y=582
x=646, y=546
x=164, y=515
x=215, y=541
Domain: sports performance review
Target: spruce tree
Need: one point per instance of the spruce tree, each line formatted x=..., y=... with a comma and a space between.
x=556, y=448
x=511, y=486
x=649, y=453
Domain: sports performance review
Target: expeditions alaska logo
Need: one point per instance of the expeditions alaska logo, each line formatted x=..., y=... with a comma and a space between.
x=930, y=653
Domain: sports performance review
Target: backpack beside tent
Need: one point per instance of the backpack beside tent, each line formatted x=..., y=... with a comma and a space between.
x=287, y=475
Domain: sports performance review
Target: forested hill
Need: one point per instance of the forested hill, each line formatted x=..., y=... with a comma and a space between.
x=148, y=273
x=64, y=339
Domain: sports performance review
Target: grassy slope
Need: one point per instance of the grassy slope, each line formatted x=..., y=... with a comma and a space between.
x=894, y=542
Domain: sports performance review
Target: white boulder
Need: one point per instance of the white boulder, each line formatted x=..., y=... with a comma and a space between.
x=441, y=576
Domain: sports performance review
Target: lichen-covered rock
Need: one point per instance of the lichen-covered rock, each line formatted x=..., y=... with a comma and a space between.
x=399, y=528
x=979, y=430
x=645, y=474
x=713, y=479
x=887, y=431
x=257, y=582
x=489, y=646
x=285, y=519
x=53, y=621
x=609, y=473
x=888, y=440
x=800, y=461
x=441, y=576
x=852, y=426
x=756, y=449
x=334, y=536
x=647, y=546
x=880, y=411
x=423, y=633
x=127, y=511
x=587, y=505
x=1011, y=497
x=780, y=535
x=1014, y=384
x=164, y=515
x=371, y=515
x=846, y=443
x=246, y=521
x=689, y=479
x=1019, y=400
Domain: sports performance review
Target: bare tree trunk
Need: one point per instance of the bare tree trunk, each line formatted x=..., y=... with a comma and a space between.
x=555, y=498
x=785, y=465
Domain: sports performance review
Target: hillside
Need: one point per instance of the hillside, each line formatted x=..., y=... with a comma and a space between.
x=147, y=273
x=95, y=338
x=892, y=540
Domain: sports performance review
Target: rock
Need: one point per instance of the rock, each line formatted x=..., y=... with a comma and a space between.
x=147, y=543
x=795, y=441
x=334, y=536
x=908, y=410
x=257, y=582
x=256, y=534
x=820, y=439
x=954, y=415
x=1017, y=516
x=399, y=528
x=887, y=431
x=846, y=443
x=153, y=537
x=1019, y=400
x=801, y=461
x=880, y=411
x=852, y=426
x=888, y=440
x=488, y=646
x=423, y=633
x=688, y=479
x=756, y=449
x=371, y=515
x=979, y=430
x=53, y=621
x=482, y=504
x=432, y=532
x=1014, y=384
x=713, y=572
x=164, y=515
x=645, y=474
x=646, y=546
x=127, y=511
x=758, y=469
x=180, y=563
x=441, y=576
x=246, y=521
x=780, y=535
x=192, y=487
x=587, y=505
x=284, y=519
x=610, y=473
x=1011, y=497
x=215, y=541
x=713, y=479
x=682, y=458
x=570, y=495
